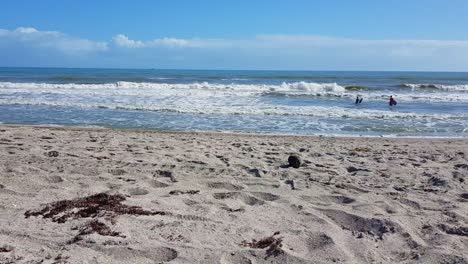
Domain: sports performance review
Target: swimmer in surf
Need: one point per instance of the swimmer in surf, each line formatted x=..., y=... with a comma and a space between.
x=358, y=100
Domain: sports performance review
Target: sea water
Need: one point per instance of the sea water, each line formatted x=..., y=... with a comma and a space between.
x=430, y=104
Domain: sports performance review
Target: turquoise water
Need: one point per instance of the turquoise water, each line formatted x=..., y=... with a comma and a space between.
x=430, y=104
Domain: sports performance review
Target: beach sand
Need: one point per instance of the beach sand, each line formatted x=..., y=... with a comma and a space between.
x=153, y=197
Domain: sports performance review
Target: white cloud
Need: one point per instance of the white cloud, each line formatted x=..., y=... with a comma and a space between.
x=385, y=47
x=123, y=41
x=55, y=40
x=258, y=52
x=295, y=44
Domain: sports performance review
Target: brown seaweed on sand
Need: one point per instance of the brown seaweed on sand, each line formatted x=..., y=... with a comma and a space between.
x=95, y=226
x=272, y=243
x=97, y=205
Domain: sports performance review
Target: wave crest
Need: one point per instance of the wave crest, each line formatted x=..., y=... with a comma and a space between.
x=417, y=86
x=129, y=87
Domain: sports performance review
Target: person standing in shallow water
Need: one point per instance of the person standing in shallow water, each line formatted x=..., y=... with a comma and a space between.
x=392, y=101
x=358, y=100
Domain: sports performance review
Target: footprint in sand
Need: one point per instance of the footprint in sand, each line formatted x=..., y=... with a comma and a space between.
x=129, y=255
x=266, y=196
x=137, y=191
x=339, y=199
x=159, y=184
x=318, y=246
x=371, y=226
x=117, y=172
x=234, y=258
x=245, y=198
x=328, y=199
x=55, y=179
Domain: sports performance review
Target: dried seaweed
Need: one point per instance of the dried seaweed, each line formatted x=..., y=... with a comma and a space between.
x=272, y=243
x=97, y=205
x=177, y=192
x=5, y=249
x=97, y=227
x=459, y=231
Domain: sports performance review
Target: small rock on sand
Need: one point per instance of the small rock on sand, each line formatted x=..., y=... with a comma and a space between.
x=52, y=154
x=294, y=161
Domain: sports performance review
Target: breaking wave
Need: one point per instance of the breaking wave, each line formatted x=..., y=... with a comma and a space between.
x=458, y=87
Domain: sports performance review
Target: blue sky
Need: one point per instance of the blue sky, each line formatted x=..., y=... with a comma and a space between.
x=202, y=34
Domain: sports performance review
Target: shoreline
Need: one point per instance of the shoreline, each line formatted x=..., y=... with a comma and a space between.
x=155, y=130
x=79, y=195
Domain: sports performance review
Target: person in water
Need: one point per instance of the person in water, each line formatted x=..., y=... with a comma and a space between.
x=358, y=100
x=392, y=101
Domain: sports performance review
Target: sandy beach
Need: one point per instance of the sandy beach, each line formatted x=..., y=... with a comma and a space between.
x=70, y=195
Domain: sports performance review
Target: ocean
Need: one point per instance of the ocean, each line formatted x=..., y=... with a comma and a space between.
x=430, y=104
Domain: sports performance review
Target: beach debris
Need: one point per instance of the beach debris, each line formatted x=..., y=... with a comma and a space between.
x=232, y=210
x=167, y=174
x=354, y=169
x=458, y=176
x=256, y=172
x=361, y=149
x=97, y=205
x=435, y=181
x=53, y=154
x=459, y=231
x=294, y=161
x=461, y=166
x=291, y=183
x=126, y=179
x=117, y=172
x=95, y=226
x=59, y=259
x=273, y=244
x=101, y=205
x=6, y=249
x=464, y=195
x=400, y=188
x=92, y=227
x=177, y=192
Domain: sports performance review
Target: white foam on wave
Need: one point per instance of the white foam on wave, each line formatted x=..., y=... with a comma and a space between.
x=413, y=96
x=134, y=88
x=241, y=108
x=205, y=89
x=456, y=87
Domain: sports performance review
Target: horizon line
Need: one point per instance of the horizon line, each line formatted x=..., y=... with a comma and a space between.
x=208, y=69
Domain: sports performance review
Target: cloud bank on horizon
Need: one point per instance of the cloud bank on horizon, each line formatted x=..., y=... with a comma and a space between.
x=27, y=46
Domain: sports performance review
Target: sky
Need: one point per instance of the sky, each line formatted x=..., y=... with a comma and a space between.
x=394, y=35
